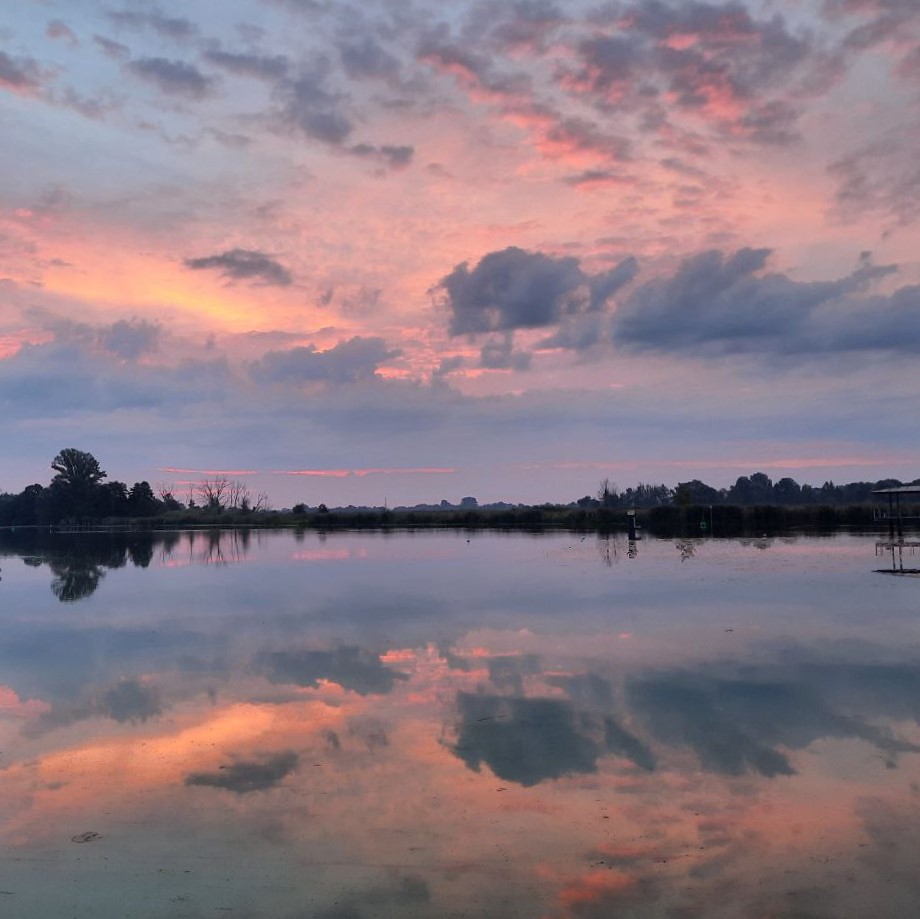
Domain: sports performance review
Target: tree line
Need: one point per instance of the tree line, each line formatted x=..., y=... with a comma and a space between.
x=78, y=492
x=748, y=491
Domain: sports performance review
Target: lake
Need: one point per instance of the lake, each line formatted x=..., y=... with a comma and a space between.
x=445, y=724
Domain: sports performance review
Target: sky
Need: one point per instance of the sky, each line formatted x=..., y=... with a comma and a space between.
x=403, y=251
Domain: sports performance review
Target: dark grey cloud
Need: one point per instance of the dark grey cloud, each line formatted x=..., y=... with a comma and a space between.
x=312, y=107
x=772, y=122
x=244, y=265
x=500, y=355
x=881, y=178
x=80, y=377
x=365, y=58
x=394, y=157
x=515, y=93
x=307, y=7
x=593, y=177
x=524, y=740
x=114, y=49
x=579, y=333
x=351, y=667
x=620, y=742
x=744, y=75
x=679, y=712
x=513, y=289
x=718, y=303
x=531, y=740
x=174, y=27
x=125, y=338
x=365, y=301
x=474, y=68
x=587, y=690
x=130, y=338
x=871, y=22
x=19, y=74
x=175, y=78
x=348, y=362
x=582, y=135
x=94, y=107
x=604, y=285
x=58, y=29
x=262, y=67
x=246, y=776
x=737, y=724
x=128, y=701
x=232, y=140
x=131, y=700
x=731, y=43
x=508, y=673
x=522, y=24
x=610, y=61
x=447, y=366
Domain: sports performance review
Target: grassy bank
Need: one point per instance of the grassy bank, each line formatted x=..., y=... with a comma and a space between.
x=665, y=520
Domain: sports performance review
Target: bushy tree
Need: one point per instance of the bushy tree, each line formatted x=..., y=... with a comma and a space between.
x=77, y=469
x=141, y=500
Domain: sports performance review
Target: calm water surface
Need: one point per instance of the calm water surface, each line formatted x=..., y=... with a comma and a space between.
x=428, y=725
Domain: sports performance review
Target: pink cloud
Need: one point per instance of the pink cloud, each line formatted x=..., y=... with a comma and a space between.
x=361, y=473
x=176, y=469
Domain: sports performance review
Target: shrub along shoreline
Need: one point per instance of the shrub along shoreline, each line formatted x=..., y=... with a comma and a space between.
x=665, y=521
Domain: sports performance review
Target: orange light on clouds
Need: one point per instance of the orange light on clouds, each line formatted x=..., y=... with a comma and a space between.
x=12, y=705
x=594, y=888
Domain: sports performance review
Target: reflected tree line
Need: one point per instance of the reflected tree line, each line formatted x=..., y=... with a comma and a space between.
x=78, y=563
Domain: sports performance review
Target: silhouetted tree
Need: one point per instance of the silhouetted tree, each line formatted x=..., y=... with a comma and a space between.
x=696, y=492
x=756, y=489
x=787, y=491
x=74, y=489
x=77, y=469
x=214, y=493
x=141, y=500
x=607, y=493
x=109, y=500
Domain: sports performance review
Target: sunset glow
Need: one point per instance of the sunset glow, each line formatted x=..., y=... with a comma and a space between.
x=432, y=246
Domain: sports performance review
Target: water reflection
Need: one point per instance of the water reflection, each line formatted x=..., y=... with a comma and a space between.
x=349, y=667
x=896, y=552
x=244, y=777
x=400, y=727
x=128, y=700
x=79, y=562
